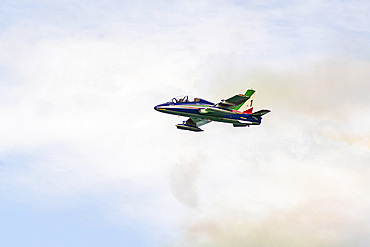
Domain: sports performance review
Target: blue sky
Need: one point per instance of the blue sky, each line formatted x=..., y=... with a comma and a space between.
x=86, y=161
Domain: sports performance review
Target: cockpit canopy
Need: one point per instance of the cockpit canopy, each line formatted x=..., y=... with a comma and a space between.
x=185, y=99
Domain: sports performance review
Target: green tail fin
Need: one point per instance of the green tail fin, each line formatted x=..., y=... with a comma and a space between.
x=249, y=93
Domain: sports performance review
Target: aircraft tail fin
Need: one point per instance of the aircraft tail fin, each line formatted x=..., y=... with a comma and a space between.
x=247, y=106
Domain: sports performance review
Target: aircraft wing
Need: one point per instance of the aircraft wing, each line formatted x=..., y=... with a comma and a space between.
x=216, y=112
x=193, y=124
x=197, y=121
x=232, y=102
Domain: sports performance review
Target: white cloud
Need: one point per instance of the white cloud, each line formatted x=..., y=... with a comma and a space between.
x=79, y=121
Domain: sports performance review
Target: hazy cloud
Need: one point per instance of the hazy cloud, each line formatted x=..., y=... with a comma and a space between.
x=80, y=80
x=183, y=180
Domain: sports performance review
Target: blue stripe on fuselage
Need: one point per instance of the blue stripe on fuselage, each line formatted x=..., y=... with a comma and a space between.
x=242, y=117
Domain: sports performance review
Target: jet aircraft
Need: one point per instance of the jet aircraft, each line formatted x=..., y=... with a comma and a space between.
x=237, y=110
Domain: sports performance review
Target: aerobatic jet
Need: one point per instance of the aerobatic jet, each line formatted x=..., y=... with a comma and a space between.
x=237, y=110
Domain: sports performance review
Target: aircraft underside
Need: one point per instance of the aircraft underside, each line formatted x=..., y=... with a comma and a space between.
x=192, y=125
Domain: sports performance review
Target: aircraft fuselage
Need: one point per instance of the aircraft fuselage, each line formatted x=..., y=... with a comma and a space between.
x=207, y=110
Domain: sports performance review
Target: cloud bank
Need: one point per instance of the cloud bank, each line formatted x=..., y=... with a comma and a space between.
x=78, y=90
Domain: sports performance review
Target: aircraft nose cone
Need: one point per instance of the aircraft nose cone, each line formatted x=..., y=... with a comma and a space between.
x=156, y=108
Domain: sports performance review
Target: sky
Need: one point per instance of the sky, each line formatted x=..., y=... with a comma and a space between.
x=85, y=160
